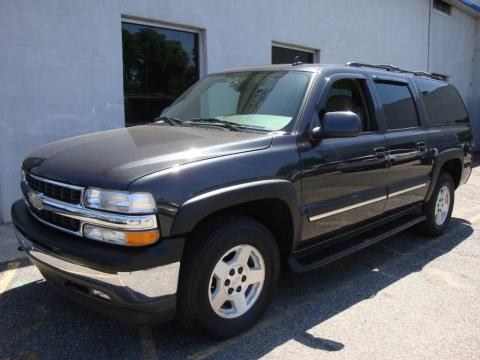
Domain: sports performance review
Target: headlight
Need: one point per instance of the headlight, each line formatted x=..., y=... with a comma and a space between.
x=119, y=201
x=120, y=237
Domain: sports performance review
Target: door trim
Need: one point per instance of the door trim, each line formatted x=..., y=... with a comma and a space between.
x=354, y=206
x=366, y=202
x=406, y=190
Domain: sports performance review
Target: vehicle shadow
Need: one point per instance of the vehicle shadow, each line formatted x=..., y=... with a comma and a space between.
x=38, y=322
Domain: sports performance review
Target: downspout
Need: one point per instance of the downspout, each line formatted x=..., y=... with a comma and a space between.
x=430, y=5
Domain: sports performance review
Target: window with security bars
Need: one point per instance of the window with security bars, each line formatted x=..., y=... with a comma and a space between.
x=286, y=55
x=442, y=6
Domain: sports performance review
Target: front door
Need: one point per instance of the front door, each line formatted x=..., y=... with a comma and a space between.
x=344, y=179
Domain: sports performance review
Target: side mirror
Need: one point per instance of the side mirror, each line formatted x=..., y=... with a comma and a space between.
x=338, y=124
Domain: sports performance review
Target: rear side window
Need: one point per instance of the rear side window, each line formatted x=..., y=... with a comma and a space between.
x=444, y=105
x=398, y=105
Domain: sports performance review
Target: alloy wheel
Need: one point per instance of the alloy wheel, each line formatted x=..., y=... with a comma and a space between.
x=236, y=281
x=442, y=205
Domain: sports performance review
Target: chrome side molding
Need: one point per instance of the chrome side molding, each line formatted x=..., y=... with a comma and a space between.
x=406, y=190
x=354, y=206
x=363, y=203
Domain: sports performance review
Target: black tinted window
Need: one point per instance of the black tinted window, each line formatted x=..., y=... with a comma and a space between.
x=281, y=55
x=158, y=65
x=442, y=6
x=398, y=105
x=443, y=102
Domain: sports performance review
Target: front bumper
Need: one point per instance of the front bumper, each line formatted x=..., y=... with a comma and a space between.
x=135, y=295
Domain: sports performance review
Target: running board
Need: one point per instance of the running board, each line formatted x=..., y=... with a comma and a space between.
x=325, y=256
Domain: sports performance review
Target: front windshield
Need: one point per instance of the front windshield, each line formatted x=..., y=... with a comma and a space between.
x=258, y=100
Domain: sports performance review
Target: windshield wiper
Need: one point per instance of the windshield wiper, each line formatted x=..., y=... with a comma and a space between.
x=228, y=124
x=169, y=120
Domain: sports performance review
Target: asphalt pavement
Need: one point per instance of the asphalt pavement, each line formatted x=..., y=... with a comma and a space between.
x=408, y=297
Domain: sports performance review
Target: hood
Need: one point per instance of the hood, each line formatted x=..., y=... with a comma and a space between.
x=115, y=158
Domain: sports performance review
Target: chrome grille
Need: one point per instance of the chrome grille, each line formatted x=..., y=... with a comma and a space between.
x=56, y=219
x=54, y=190
x=52, y=203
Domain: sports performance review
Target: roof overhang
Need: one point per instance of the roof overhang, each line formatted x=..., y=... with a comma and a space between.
x=469, y=6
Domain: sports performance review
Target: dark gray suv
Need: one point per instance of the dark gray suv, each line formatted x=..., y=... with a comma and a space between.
x=249, y=171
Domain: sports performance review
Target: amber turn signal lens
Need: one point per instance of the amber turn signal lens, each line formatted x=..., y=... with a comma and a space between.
x=142, y=238
x=119, y=237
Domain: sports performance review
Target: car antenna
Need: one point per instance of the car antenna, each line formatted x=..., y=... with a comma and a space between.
x=296, y=61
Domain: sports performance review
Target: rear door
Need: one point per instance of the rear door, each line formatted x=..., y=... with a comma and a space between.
x=408, y=143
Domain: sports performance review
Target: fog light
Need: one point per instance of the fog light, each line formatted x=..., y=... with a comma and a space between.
x=119, y=237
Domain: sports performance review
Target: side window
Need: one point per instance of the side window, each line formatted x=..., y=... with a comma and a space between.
x=398, y=105
x=350, y=95
x=443, y=103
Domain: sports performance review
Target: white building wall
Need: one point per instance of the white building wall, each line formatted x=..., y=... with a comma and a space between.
x=474, y=95
x=451, y=48
x=60, y=75
x=240, y=33
x=61, y=60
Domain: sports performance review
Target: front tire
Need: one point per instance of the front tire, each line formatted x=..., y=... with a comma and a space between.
x=229, y=273
x=439, y=208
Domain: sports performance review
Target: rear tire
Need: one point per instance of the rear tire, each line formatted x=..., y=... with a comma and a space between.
x=228, y=276
x=439, y=208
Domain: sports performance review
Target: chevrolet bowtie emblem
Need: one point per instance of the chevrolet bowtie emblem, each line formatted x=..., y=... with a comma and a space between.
x=35, y=200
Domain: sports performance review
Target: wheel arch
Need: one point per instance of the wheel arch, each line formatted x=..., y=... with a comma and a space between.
x=449, y=161
x=271, y=202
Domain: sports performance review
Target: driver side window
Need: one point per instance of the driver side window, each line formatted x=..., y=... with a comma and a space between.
x=350, y=95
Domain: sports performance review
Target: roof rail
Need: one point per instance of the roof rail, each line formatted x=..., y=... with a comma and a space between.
x=394, y=68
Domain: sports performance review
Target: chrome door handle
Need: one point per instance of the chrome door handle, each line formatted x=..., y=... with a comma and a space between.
x=380, y=152
x=421, y=146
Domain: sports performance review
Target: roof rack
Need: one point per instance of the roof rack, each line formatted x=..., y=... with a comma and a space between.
x=394, y=68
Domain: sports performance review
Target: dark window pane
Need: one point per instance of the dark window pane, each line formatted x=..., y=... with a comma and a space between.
x=281, y=55
x=442, y=6
x=398, y=105
x=158, y=65
x=443, y=102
